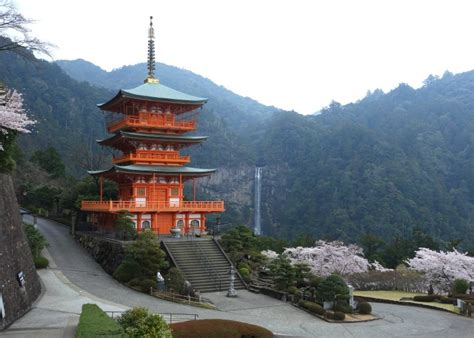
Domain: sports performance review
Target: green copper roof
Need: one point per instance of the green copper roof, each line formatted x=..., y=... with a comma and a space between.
x=155, y=169
x=154, y=136
x=155, y=92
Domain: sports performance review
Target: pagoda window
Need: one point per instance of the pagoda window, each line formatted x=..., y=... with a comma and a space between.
x=194, y=223
x=180, y=223
x=174, y=192
x=146, y=225
x=141, y=192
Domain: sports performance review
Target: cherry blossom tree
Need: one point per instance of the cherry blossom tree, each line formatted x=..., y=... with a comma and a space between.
x=326, y=258
x=441, y=268
x=269, y=254
x=13, y=117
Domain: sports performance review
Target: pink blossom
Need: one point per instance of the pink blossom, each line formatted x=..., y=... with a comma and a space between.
x=12, y=114
x=443, y=267
x=326, y=258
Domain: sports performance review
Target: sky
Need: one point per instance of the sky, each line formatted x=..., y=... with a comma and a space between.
x=292, y=54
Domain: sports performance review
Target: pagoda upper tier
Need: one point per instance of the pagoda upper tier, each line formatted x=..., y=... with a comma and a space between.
x=152, y=97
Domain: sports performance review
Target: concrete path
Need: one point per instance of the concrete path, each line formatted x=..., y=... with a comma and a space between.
x=86, y=275
x=56, y=312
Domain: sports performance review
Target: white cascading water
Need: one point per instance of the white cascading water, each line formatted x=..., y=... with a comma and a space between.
x=258, y=190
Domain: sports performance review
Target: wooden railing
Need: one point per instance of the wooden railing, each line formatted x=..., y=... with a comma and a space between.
x=152, y=158
x=188, y=206
x=150, y=122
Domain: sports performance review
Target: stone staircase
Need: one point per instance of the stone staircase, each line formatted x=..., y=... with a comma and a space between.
x=203, y=264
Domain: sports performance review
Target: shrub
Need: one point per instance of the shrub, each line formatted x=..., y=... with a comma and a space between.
x=245, y=273
x=243, y=265
x=41, y=262
x=127, y=270
x=364, y=308
x=94, y=322
x=124, y=227
x=147, y=254
x=338, y=315
x=329, y=314
x=343, y=307
x=332, y=286
x=447, y=300
x=217, y=328
x=460, y=286
x=138, y=322
x=315, y=281
x=134, y=282
x=292, y=289
x=312, y=307
x=428, y=298
x=146, y=284
x=35, y=239
x=174, y=281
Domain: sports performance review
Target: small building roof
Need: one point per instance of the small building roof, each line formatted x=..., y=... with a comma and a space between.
x=153, y=91
x=154, y=169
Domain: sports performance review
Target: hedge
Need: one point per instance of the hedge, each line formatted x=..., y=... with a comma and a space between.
x=313, y=307
x=95, y=323
x=217, y=328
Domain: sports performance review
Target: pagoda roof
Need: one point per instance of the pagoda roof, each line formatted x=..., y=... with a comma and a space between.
x=153, y=91
x=149, y=136
x=154, y=169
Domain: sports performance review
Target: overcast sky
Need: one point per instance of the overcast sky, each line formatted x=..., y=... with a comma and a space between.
x=295, y=55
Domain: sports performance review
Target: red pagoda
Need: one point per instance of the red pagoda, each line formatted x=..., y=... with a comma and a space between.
x=149, y=124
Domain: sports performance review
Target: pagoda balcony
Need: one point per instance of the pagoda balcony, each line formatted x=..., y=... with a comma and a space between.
x=153, y=206
x=150, y=122
x=153, y=158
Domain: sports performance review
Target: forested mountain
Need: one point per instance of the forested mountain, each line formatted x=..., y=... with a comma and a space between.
x=384, y=165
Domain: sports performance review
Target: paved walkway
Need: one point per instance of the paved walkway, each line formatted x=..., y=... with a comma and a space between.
x=90, y=282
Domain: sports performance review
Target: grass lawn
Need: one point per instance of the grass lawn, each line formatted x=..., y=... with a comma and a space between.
x=397, y=295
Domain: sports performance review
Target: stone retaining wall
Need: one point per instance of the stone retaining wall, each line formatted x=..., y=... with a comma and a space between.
x=16, y=261
x=107, y=252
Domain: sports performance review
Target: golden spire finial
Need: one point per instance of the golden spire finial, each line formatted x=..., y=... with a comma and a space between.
x=151, y=55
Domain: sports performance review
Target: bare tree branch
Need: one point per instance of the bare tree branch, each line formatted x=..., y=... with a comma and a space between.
x=16, y=34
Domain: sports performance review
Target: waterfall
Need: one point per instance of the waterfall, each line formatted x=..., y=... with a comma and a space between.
x=258, y=190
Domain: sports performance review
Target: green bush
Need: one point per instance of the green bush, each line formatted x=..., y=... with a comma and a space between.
x=127, y=270
x=338, y=315
x=41, y=262
x=331, y=287
x=146, y=284
x=329, y=314
x=312, y=307
x=428, y=298
x=243, y=265
x=138, y=322
x=460, y=286
x=245, y=273
x=447, y=300
x=124, y=227
x=35, y=239
x=364, y=308
x=134, y=282
x=174, y=281
x=292, y=289
x=343, y=307
x=94, y=322
x=217, y=328
x=315, y=281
